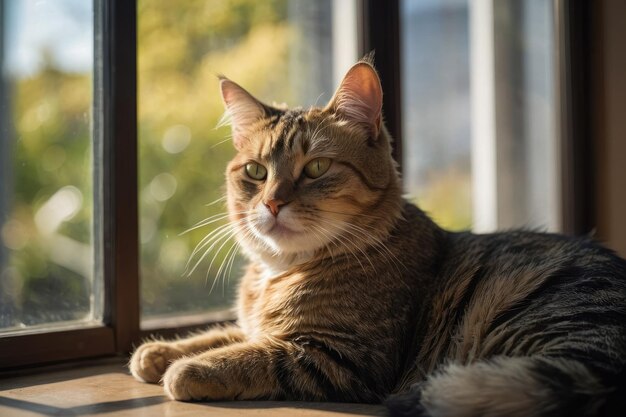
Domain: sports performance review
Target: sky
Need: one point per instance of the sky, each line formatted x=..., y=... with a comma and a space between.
x=62, y=27
x=65, y=29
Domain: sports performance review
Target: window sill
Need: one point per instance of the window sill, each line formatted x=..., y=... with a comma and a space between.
x=106, y=388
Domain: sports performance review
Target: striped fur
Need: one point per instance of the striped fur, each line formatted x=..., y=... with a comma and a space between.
x=353, y=294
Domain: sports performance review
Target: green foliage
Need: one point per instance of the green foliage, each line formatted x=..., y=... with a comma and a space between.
x=182, y=48
x=51, y=150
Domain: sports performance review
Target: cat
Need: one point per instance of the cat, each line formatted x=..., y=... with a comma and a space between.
x=353, y=294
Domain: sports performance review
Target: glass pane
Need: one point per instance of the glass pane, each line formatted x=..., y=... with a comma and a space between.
x=282, y=51
x=525, y=119
x=493, y=165
x=46, y=204
x=436, y=109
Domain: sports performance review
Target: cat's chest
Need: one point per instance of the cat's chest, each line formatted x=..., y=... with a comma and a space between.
x=280, y=303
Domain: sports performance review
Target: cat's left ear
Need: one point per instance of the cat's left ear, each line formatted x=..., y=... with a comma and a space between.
x=244, y=110
x=359, y=97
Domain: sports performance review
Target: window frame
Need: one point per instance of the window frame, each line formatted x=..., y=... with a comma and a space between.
x=115, y=192
x=116, y=242
x=575, y=21
x=379, y=31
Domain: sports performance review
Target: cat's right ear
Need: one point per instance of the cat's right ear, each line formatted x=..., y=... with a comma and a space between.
x=242, y=109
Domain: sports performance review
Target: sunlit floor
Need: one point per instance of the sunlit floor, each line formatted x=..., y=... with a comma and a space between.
x=106, y=389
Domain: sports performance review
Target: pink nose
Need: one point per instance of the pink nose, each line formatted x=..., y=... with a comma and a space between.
x=274, y=206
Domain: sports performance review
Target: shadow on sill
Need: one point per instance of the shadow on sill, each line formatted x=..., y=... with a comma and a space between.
x=105, y=387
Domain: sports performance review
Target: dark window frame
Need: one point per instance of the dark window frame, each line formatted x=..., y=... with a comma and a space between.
x=115, y=180
x=116, y=247
x=575, y=22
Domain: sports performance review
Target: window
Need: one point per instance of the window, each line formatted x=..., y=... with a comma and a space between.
x=109, y=148
x=436, y=109
x=46, y=189
x=58, y=266
x=515, y=139
x=480, y=104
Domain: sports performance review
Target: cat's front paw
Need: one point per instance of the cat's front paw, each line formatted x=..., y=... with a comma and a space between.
x=192, y=379
x=151, y=359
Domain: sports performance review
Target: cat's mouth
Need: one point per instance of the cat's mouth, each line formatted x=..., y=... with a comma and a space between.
x=280, y=230
x=284, y=233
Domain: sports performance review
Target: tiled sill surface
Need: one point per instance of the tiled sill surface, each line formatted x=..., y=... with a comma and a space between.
x=106, y=389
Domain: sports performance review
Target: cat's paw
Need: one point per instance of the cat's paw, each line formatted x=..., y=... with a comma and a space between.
x=151, y=359
x=192, y=379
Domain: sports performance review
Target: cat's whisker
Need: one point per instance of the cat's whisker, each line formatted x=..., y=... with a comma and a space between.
x=232, y=261
x=208, y=239
x=230, y=264
x=214, y=218
x=217, y=236
x=369, y=216
x=217, y=252
x=216, y=201
x=212, y=235
x=317, y=99
x=215, y=233
x=205, y=222
x=202, y=222
x=379, y=245
x=359, y=233
x=220, y=269
x=342, y=227
x=225, y=120
x=345, y=243
x=220, y=236
x=252, y=236
x=323, y=242
x=228, y=139
x=228, y=258
x=329, y=236
x=318, y=129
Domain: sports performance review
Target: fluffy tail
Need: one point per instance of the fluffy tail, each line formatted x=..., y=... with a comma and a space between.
x=513, y=387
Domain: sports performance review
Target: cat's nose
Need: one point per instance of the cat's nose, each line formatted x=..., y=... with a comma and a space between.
x=274, y=205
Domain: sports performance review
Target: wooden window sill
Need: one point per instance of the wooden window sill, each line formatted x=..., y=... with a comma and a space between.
x=106, y=388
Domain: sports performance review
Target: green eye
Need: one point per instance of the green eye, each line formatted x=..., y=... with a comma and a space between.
x=317, y=167
x=256, y=171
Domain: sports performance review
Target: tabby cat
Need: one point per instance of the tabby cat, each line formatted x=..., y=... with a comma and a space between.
x=353, y=294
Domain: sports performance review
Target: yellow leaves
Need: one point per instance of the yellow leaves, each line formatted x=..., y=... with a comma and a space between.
x=260, y=59
x=161, y=50
x=446, y=199
x=187, y=92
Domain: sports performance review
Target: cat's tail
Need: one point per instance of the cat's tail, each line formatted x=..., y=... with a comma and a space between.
x=514, y=387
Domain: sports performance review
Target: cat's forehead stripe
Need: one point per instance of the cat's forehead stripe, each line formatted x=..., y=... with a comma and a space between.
x=288, y=133
x=284, y=138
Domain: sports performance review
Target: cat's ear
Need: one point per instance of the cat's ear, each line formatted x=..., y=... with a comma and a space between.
x=359, y=97
x=242, y=109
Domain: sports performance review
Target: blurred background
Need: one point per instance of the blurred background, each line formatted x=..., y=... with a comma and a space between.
x=479, y=132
